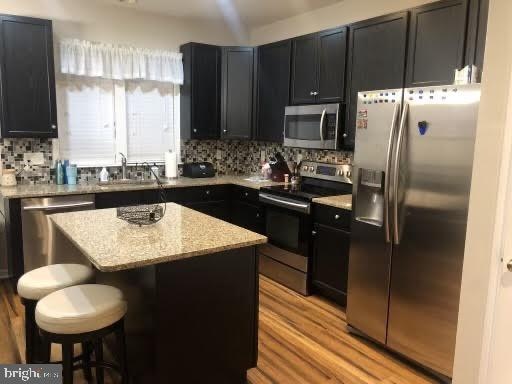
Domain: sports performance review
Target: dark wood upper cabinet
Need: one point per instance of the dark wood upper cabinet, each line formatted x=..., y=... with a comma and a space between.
x=273, y=67
x=28, y=106
x=331, y=68
x=477, y=31
x=237, y=92
x=200, y=92
x=376, y=60
x=437, y=38
x=304, y=82
x=318, y=67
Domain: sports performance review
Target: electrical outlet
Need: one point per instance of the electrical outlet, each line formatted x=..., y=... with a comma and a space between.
x=219, y=154
x=263, y=155
x=35, y=158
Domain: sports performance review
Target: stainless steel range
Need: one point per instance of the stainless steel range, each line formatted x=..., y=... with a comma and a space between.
x=288, y=223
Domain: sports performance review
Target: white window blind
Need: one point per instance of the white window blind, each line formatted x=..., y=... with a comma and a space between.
x=150, y=120
x=86, y=121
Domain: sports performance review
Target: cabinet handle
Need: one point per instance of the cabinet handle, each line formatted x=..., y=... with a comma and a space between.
x=246, y=194
x=54, y=126
x=315, y=93
x=312, y=93
x=336, y=217
x=207, y=192
x=345, y=135
x=225, y=131
x=313, y=233
x=257, y=215
x=194, y=130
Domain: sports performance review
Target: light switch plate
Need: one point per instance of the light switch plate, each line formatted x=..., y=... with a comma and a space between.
x=35, y=158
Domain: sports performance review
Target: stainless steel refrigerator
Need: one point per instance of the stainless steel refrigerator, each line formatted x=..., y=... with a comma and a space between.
x=413, y=163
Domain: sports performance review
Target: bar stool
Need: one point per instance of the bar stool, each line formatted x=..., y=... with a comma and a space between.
x=84, y=314
x=38, y=283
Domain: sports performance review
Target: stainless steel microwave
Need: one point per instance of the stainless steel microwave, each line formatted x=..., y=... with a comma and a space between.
x=312, y=126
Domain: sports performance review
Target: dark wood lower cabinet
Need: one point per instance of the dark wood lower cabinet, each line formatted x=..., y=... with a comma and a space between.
x=330, y=262
x=217, y=209
x=248, y=216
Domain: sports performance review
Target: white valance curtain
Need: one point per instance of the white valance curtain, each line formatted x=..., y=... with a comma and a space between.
x=86, y=58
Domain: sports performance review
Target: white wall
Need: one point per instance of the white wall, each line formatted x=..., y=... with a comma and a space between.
x=88, y=19
x=345, y=12
x=481, y=243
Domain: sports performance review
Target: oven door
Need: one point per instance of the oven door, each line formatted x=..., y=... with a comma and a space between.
x=312, y=126
x=285, y=258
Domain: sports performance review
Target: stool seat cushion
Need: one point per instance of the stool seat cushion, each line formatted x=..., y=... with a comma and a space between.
x=40, y=282
x=80, y=309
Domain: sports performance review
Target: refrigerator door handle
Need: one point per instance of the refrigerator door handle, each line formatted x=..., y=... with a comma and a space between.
x=322, y=125
x=396, y=178
x=389, y=156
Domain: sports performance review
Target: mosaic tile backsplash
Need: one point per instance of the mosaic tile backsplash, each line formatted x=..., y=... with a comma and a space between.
x=228, y=157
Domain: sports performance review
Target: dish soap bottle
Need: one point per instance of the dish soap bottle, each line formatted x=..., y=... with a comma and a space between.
x=104, y=175
x=59, y=171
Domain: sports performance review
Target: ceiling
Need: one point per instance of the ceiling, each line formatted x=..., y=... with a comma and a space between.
x=251, y=13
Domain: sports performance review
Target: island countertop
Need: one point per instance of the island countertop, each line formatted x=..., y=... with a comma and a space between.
x=112, y=244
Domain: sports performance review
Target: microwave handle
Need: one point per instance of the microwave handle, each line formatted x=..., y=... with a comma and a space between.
x=322, y=124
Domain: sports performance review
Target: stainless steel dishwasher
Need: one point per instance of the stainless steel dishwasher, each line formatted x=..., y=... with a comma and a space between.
x=43, y=243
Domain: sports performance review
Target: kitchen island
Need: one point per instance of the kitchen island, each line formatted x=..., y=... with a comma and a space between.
x=191, y=282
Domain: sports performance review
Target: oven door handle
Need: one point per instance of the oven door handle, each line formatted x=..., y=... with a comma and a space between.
x=322, y=124
x=285, y=203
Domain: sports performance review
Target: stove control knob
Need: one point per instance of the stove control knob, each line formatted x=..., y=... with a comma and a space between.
x=305, y=168
x=311, y=169
x=348, y=174
x=340, y=172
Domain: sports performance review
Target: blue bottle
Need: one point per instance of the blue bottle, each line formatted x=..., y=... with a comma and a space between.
x=59, y=171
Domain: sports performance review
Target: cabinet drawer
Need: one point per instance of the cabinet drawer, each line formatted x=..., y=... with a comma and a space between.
x=193, y=194
x=332, y=217
x=245, y=194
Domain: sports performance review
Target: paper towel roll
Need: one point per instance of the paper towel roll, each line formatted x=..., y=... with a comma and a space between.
x=171, y=164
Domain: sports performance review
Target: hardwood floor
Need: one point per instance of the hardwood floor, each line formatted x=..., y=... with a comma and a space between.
x=301, y=340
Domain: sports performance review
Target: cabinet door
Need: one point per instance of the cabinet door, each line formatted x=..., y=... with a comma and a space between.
x=237, y=92
x=247, y=216
x=273, y=89
x=200, y=92
x=304, y=83
x=330, y=261
x=437, y=37
x=376, y=60
x=217, y=209
x=331, y=70
x=28, y=78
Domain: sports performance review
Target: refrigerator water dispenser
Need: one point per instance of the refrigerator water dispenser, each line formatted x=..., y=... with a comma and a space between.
x=370, y=197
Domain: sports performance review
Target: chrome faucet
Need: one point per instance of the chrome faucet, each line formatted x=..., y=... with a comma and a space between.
x=123, y=167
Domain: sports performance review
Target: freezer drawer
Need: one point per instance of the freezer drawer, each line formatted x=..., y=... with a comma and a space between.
x=43, y=243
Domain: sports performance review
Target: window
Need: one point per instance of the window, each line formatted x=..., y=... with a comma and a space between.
x=86, y=121
x=149, y=120
x=99, y=118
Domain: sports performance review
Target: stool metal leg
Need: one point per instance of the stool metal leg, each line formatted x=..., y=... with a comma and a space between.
x=86, y=360
x=121, y=346
x=67, y=363
x=98, y=353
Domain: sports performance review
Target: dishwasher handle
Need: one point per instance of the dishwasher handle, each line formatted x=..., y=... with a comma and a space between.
x=59, y=207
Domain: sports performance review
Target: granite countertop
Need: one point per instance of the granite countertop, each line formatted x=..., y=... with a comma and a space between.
x=340, y=201
x=182, y=233
x=48, y=190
